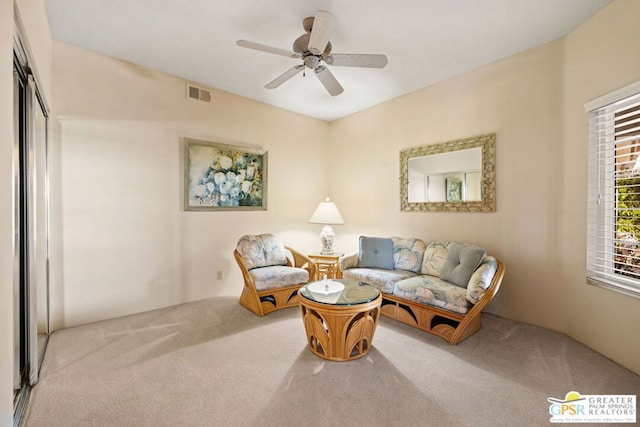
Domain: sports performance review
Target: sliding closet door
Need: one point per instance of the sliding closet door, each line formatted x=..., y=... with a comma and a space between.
x=40, y=225
x=31, y=235
x=29, y=285
x=19, y=90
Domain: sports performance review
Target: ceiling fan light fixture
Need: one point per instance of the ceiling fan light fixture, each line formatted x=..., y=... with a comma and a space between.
x=312, y=61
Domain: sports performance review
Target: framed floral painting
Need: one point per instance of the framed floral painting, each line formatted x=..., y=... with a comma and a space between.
x=224, y=177
x=454, y=190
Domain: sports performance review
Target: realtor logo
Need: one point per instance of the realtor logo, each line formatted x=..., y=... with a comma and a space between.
x=577, y=408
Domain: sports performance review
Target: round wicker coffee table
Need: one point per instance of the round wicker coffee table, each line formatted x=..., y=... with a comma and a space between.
x=340, y=323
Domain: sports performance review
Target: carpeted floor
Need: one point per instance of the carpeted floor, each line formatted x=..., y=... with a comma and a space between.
x=213, y=363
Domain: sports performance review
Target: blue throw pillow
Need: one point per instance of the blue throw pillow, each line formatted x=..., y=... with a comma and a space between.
x=376, y=252
x=461, y=262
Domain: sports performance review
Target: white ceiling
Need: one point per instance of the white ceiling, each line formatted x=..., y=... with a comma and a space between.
x=426, y=41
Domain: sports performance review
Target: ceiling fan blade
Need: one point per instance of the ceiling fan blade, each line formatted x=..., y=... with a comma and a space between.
x=284, y=76
x=357, y=60
x=328, y=81
x=267, y=49
x=321, y=31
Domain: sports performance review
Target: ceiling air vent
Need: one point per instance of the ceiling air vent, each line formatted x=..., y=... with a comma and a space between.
x=194, y=92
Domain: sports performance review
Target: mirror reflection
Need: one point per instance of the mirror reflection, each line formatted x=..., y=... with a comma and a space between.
x=454, y=176
x=448, y=177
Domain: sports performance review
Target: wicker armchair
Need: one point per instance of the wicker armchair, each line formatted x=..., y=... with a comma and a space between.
x=272, y=273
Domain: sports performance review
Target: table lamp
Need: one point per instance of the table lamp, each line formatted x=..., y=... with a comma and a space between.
x=327, y=213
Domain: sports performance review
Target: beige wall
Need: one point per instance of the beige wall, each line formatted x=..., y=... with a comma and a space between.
x=534, y=101
x=127, y=244
x=518, y=100
x=34, y=20
x=601, y=56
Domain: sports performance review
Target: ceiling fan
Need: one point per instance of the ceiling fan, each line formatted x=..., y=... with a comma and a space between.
x=314, y=48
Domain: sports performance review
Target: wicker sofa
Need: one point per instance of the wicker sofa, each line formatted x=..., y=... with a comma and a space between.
x=440, y=288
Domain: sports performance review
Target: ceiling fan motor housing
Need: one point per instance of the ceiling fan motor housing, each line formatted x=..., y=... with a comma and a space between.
x=301, y=46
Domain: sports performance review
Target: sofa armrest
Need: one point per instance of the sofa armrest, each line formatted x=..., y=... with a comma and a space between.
x=348, y=261
x=481, y=279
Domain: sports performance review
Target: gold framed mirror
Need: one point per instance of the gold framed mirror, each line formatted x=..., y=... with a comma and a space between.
x=452, y=176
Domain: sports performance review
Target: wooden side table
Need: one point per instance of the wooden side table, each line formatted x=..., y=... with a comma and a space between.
x=327, y=264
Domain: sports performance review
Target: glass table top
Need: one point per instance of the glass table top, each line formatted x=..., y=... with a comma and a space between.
x=339, y=292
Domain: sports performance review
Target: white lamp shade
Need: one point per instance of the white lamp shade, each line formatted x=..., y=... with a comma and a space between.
x=326, y=213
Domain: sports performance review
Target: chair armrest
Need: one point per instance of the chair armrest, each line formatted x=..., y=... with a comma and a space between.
x=299, y=259
x=302, y=261
x=248, y=279
x=348, y=261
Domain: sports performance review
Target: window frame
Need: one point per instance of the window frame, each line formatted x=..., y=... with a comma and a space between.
x=602, y=201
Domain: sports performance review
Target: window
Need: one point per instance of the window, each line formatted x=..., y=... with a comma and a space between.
x=613, y=224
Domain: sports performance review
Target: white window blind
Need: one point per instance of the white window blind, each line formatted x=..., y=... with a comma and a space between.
x=613, y=223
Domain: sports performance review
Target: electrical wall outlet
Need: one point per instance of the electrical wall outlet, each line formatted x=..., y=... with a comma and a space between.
x=219, y=275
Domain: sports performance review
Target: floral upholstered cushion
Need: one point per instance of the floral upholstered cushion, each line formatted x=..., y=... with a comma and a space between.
x=348, y=261
x=381, y=279
x=408, y=253
x=278, y=276
x=481, y=279
x=435, y=255
x=433, y=291
x=261, y=250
